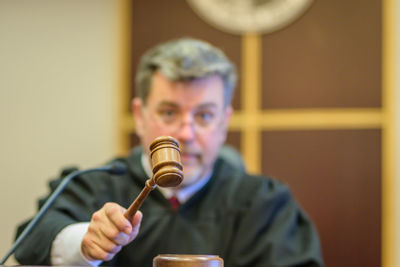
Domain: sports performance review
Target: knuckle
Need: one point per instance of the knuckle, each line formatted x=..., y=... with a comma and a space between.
x=86, y=241
x=96, y=217
x=113, y=233
x=107, y=205
x=91, y=228
x=89, y=248
x=101, y=253
x=110, y=208
x=109, y=252
x=110, y=248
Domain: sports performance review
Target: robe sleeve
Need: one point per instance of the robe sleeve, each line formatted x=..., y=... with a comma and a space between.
x=274, y=231
x=75, y=204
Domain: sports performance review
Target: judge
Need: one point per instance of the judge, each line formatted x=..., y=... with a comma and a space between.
x=184, y=90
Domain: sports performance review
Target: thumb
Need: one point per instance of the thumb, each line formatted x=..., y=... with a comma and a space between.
x=136, y=221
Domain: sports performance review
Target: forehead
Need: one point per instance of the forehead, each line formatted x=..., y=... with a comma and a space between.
x=208, y=90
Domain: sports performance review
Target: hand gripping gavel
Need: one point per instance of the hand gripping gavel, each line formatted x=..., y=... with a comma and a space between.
x=167, y=170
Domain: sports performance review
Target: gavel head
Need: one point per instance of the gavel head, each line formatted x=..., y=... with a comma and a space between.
x=166, y=161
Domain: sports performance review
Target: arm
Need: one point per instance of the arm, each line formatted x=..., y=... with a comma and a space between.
x=274, y=231
x=80, y=199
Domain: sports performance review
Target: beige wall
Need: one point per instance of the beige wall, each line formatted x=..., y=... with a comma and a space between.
x=58, y=73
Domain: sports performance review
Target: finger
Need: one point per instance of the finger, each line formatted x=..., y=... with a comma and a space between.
x=104, y=229
x=101, y=226
x=112, y=234
x=94, y=251
x=121, y=238
x=109, y=247
x=115, y=214
x=96, y=235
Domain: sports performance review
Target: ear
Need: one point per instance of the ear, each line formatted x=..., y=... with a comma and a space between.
x=228, y=116
x=137, y=111
x=227, y=119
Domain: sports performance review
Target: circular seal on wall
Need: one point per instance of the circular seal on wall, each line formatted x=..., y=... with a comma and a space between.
x=249, y=16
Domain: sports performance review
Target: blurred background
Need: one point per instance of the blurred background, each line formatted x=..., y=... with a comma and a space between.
x=317, y=104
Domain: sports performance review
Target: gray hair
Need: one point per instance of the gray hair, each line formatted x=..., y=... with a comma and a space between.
x=184, y=60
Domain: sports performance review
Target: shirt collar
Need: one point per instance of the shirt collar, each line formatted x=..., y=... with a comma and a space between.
x=183, y=194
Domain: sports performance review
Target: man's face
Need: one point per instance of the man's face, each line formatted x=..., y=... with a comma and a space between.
x=193, y=113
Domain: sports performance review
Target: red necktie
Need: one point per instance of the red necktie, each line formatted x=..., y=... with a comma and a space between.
x=174, y=202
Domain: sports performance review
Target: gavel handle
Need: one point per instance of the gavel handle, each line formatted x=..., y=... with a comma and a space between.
x=134, y=207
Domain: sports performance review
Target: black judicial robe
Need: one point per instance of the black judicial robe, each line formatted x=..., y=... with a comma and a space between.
x=247, y=220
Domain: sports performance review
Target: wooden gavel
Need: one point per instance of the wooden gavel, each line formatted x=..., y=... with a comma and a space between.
x=167, y=170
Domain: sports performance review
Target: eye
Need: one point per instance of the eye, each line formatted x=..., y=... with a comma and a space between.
x=168, y=115
x=205, y=117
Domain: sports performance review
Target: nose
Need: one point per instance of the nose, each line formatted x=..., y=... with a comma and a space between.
x=186, y=133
